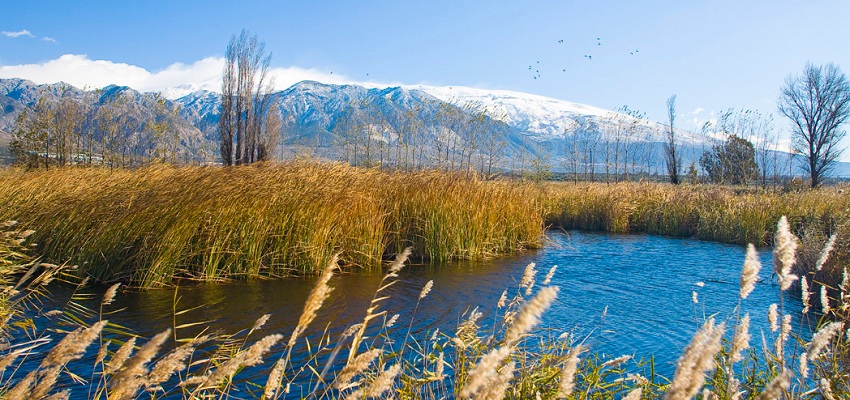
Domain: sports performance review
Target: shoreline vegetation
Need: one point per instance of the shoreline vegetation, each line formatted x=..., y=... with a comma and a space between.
x=510, y=359
x=151, y=225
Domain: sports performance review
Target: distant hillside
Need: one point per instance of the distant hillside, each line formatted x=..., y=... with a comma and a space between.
x=372, y=125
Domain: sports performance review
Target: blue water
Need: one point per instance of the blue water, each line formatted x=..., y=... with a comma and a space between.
x=620, y=294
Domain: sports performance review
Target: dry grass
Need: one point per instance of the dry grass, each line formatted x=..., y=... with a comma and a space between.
x=150, y=225
x=716, y=213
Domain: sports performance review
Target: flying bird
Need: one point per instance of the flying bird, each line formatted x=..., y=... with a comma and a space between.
x=561, y=41
x=588, y=57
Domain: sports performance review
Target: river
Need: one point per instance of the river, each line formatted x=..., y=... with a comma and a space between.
x=621, y=294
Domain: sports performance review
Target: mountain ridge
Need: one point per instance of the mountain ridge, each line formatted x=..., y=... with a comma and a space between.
x=323, y=119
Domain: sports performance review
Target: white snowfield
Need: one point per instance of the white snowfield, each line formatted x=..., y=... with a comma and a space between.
x=543, y=118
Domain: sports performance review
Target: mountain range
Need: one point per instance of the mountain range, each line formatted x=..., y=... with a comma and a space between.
x=339, y=121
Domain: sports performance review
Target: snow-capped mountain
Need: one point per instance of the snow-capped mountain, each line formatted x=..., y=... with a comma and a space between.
x=325, y=118
x=543, y=118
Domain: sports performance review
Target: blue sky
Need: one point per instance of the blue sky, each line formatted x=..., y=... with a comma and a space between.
x=713, y=54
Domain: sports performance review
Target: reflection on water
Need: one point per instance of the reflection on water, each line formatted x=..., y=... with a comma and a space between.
x=627, y=294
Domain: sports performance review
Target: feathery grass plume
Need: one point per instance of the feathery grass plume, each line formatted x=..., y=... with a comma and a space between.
x=634, y=394
x=384, y=382
x=616, y=361
x=439, y=372
x=23, y=389
x=784, y=254
x=485, y=371
x=63, y=395
x=824, y=253
x=773, y=317
x=527, y=281
x=741, y=339
x=824, y=300
x=127, y=381
x=696, y=360
x=568, y=373
x=315, y=300
x=502, y=299
x=497, y=389
x=349, y=331
x=109, y=296
x=391, y=321
x=733, y=387
x=467, y=330
x=826, y=389
x=120, y=356
x=8, y=359
x=245, y=358
x=399, y=261
x=530, y=314
x=750, y=272
x=426, y=289
x=171, y=363
x=356, y=366
x=803, y=365
x=550, y=275
x=777, y=386
x=101, y=353
x=822, y=338
x=260, y=322
x=638, y=378
x=275, y=376
x=805, y=294
x=70, y=348
x=784, y=332
x=694, y=297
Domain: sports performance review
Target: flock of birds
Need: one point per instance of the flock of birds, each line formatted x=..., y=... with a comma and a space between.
x=535, y=68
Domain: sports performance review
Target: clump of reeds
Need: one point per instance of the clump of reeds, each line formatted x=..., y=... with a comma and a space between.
x=150, y=225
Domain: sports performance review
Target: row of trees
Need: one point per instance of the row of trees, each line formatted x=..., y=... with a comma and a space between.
x=461, y=138
x=817, y=103
x=69, y=129
x=249, y=123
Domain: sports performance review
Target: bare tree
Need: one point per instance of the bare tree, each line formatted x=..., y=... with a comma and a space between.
x=671, y=156
x=817, y=103
x=246, y=98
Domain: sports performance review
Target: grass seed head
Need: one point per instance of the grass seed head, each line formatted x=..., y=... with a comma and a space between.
x=750, y=272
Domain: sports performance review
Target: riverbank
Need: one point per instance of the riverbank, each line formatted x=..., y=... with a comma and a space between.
x=731, y=215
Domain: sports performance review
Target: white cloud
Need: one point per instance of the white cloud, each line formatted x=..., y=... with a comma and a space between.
x=175, y=80
x=48, y=39
x=20, y=33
